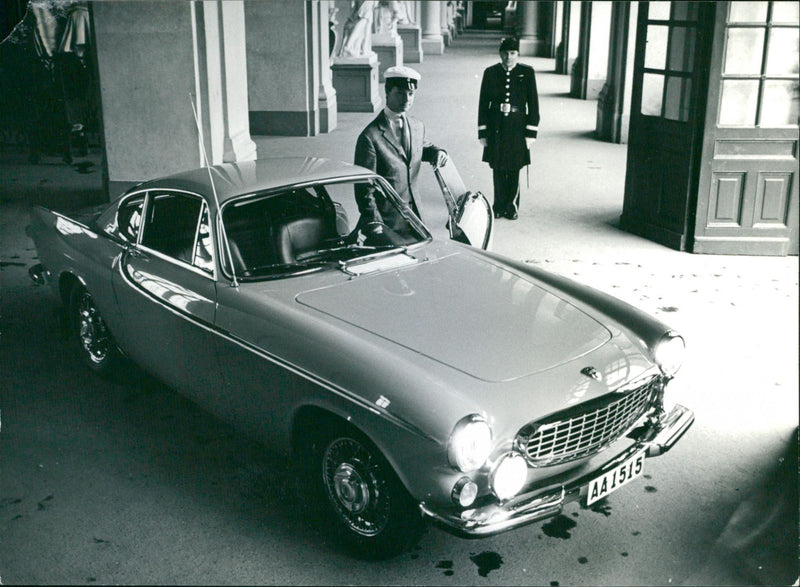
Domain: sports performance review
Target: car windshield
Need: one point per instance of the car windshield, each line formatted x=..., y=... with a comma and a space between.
x=311, y=227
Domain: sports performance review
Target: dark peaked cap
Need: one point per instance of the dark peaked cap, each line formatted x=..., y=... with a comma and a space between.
x=509, y=44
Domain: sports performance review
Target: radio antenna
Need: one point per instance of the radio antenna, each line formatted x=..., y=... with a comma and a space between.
x=234, y=282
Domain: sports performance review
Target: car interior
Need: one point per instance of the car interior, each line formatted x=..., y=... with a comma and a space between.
x=278, y=230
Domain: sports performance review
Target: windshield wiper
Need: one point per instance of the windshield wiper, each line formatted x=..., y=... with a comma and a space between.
x=286, y=268
x=378, y=252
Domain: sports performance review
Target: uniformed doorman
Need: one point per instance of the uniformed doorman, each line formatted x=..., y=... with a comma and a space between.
x=508, y=122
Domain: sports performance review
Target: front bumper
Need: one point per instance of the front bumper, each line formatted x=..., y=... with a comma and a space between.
x=656, y=438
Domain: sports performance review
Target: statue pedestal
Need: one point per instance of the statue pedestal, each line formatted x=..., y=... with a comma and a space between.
x=355, y=80
x=389, y=50
x=412, y=42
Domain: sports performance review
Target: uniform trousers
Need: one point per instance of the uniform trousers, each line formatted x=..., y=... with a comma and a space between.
x=506, y=191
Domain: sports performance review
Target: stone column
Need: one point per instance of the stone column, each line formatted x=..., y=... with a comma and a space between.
x=156, y=60
x=527, y=20
x=282, y=68
x=328, y=112
x=444, y=24
x=556, y=19
x=432, y=40
x=589, y=75
x=226, y=25
x=614, y=101
x=570, y=37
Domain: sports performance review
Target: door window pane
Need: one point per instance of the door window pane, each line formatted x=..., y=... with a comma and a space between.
x=780, y=106
x=783, y=54
x=744, y=50
x=739, y=101
x=652, y=90
x=171, y=225
x=786, y=12
x=681, y=49
x=748, y=11
x=678, y=98
x=655, y=56
x=658, y=10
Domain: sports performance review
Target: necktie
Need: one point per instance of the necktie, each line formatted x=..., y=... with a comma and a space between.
x=405, y=138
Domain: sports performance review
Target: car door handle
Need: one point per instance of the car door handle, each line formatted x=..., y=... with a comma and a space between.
x=137, y=253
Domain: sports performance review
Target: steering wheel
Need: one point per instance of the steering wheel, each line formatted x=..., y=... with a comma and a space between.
x=376, y=233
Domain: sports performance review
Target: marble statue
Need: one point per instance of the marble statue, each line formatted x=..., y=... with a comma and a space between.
x=356, y=40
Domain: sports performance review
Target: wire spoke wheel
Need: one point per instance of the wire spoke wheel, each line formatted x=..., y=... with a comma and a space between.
x=356, y=485
x=92, y=330
x=96, y=345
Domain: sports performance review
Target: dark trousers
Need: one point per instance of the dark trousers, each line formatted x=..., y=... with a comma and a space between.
x=506, y=191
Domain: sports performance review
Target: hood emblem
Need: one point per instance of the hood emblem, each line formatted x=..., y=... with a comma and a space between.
x=591, y=372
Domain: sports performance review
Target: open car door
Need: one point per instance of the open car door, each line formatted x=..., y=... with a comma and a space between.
x=471, y=217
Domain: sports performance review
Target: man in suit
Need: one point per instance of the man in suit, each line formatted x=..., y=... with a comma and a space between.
x=508, y=122
x=393, y=145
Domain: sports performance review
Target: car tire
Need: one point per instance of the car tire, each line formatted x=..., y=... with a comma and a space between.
x=94, y=341
x=371, y=511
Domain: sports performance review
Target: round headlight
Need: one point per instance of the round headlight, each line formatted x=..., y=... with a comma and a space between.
x=669, y=353
x=470, y=444
x=509, y=475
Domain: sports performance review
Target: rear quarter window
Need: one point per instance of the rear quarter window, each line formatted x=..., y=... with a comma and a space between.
x=129, y=218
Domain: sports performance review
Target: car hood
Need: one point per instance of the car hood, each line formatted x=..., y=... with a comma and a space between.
x=465, y=312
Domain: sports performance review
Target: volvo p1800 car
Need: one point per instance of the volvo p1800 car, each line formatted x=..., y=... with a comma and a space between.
x=413, y=378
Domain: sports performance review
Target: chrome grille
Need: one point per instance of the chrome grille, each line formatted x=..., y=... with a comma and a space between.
x=583, y=431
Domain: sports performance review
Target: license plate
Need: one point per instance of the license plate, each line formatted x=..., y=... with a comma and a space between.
x=621, y=475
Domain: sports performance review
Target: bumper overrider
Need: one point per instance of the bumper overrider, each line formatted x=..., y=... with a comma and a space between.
x=655, y=438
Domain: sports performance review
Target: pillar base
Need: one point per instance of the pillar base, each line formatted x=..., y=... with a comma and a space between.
x=356, y=84
x=412, y=42
x=327, y=110
x=433, y=45
x=389, y=52
x=239, y=148
x=531, y=47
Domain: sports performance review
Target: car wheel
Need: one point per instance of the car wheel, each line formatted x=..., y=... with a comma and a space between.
x=371, y=510
x=95, y=344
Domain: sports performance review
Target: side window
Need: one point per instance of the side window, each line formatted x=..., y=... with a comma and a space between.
x=203, y=255
x=129, y=218
x=172, y=224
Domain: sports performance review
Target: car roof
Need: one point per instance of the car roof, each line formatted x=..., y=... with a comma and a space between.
x=247, y=177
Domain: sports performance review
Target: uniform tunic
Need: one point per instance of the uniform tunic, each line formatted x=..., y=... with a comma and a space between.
x=508, y=113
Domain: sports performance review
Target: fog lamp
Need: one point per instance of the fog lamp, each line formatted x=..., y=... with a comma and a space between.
x=465, y=492
x=509, y=475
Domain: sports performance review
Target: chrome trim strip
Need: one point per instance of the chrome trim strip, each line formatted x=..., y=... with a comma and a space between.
x=174, y=261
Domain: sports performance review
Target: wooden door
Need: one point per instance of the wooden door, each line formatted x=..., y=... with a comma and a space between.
x=666, y=123
x=748, y=190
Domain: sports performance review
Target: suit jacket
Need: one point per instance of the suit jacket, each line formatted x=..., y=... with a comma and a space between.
x=378, y=149
x=505, y=133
